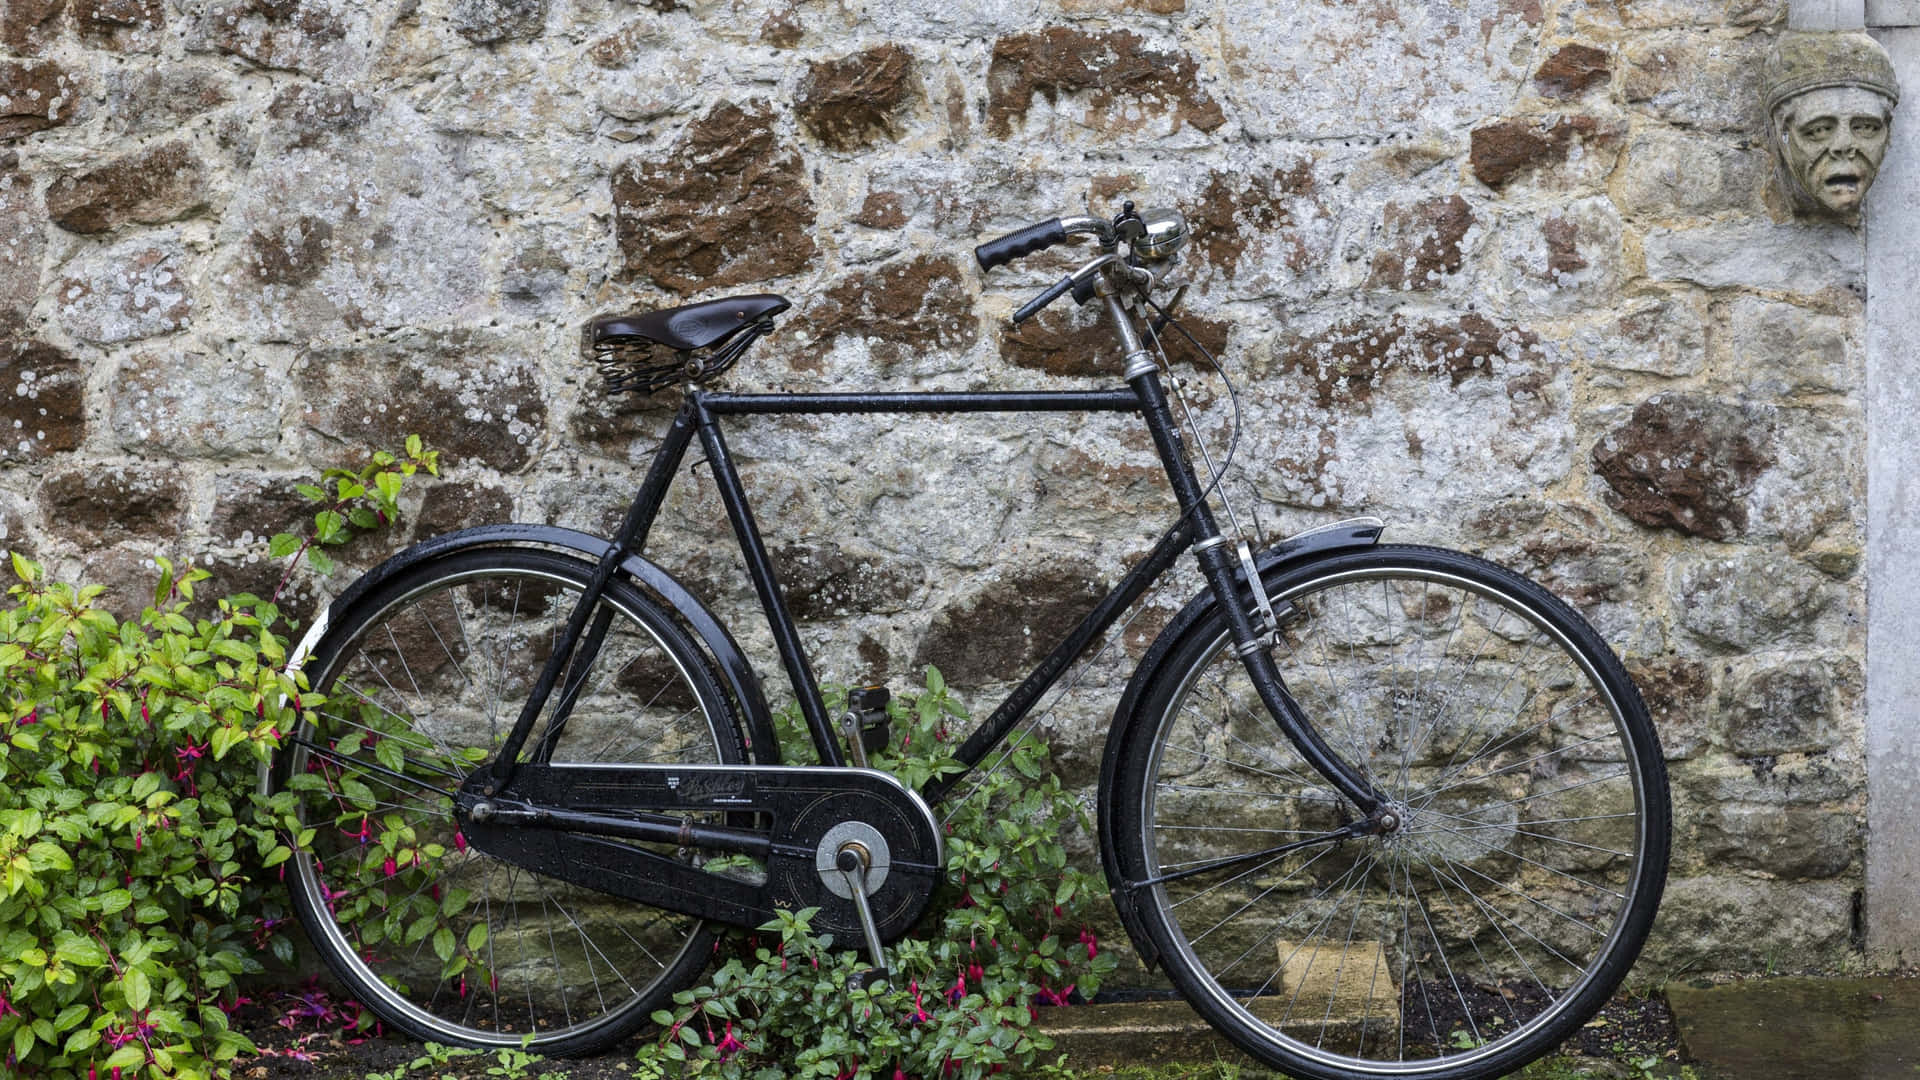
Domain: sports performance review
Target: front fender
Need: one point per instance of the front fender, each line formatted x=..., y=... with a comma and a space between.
x=735, y=672
x=1299, y=548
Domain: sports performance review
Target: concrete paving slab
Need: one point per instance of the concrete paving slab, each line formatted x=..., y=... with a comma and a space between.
x=1802, y=1029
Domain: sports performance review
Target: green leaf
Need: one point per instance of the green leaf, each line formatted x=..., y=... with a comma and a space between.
x=22, y=1042
x=476, y=937
x=81, y=952
x=443, y=944
x=136, y=987
x=413, y=446
x=127, y=1057
x=329, y=527
x=322, y=562
x=311, y=493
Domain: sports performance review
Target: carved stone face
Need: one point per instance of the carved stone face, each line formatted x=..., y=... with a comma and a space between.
x=1832, y=141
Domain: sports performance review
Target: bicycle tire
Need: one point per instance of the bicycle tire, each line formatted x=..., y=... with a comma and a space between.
x=1526, y=874
x=422, y=676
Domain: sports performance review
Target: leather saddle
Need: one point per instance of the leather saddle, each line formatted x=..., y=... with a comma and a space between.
x=707, y=324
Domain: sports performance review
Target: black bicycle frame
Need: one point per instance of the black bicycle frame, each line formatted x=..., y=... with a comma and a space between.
x=699, y=417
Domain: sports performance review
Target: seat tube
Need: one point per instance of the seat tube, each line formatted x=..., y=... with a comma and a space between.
x=786, y=639
x=1210, y=548
x=632, y=535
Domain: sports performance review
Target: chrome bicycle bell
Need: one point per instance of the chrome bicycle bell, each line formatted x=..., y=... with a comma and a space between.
x=1160, y=234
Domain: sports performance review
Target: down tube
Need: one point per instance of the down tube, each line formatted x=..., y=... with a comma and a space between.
x=1015, y=708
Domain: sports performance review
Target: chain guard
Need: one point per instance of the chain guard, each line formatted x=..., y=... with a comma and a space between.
x=801, y=804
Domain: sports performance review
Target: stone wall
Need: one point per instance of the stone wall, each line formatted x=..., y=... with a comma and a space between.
x=1507, y=273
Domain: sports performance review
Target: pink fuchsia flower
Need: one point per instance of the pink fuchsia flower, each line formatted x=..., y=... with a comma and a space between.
x=728, y=1045
x=1091, y=942
x=1054, y=997
x=919, y=1014
x=389, y=867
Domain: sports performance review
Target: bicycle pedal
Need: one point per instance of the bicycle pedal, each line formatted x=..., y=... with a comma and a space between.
x=866, y=721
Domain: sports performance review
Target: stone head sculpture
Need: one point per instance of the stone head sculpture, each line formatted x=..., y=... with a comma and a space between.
x=1830, y=99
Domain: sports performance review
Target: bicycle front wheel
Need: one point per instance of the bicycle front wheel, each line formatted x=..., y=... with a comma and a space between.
x=423, y=677
x=1528, y=861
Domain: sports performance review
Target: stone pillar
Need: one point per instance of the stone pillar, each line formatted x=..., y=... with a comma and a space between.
x=1892, y=223
x=1827, y=15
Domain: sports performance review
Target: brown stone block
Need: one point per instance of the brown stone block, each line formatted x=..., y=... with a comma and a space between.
x=125, y=25
x=1235, y=209
x=727, y=205
x=1573, y=70
x=1061, y=343
x=27, y=26
x=1507, y=148
x=856, y=100
x=1424, y=242
x=34, y=96
x=249, y=507
x=292, y=252
x=99, y=505
x=881, y=210
x=821, y=579
x=42, y=402
x=447, y=507
x=1120, y=74
x=908, y=305
x=159, y=184
x=1687, y=463
x=998, y=631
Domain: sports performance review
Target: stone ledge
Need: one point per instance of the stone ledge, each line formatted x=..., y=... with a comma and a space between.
x=1136, y=1033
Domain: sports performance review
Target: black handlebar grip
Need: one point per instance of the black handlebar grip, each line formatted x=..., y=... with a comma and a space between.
x=1033, y=306
x=1025, y=242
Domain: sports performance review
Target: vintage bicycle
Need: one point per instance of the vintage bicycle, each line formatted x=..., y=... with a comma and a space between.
x=1377, y=810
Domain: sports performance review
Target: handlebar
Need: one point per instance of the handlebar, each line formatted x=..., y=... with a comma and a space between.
x=1152, y=238
x=1015, y=244
x=1033, y=306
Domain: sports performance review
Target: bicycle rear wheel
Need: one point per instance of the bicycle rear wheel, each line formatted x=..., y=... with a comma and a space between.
x=423, y=677
x=1515, y=894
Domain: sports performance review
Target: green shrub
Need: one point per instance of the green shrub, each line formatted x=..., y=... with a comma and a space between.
x=1008, y=931
x=132, y=841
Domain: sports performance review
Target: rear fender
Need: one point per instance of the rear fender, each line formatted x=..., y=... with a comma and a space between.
x=1288, y=553
x=737, y=675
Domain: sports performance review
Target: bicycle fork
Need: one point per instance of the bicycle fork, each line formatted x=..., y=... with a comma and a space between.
x=1224, y=575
